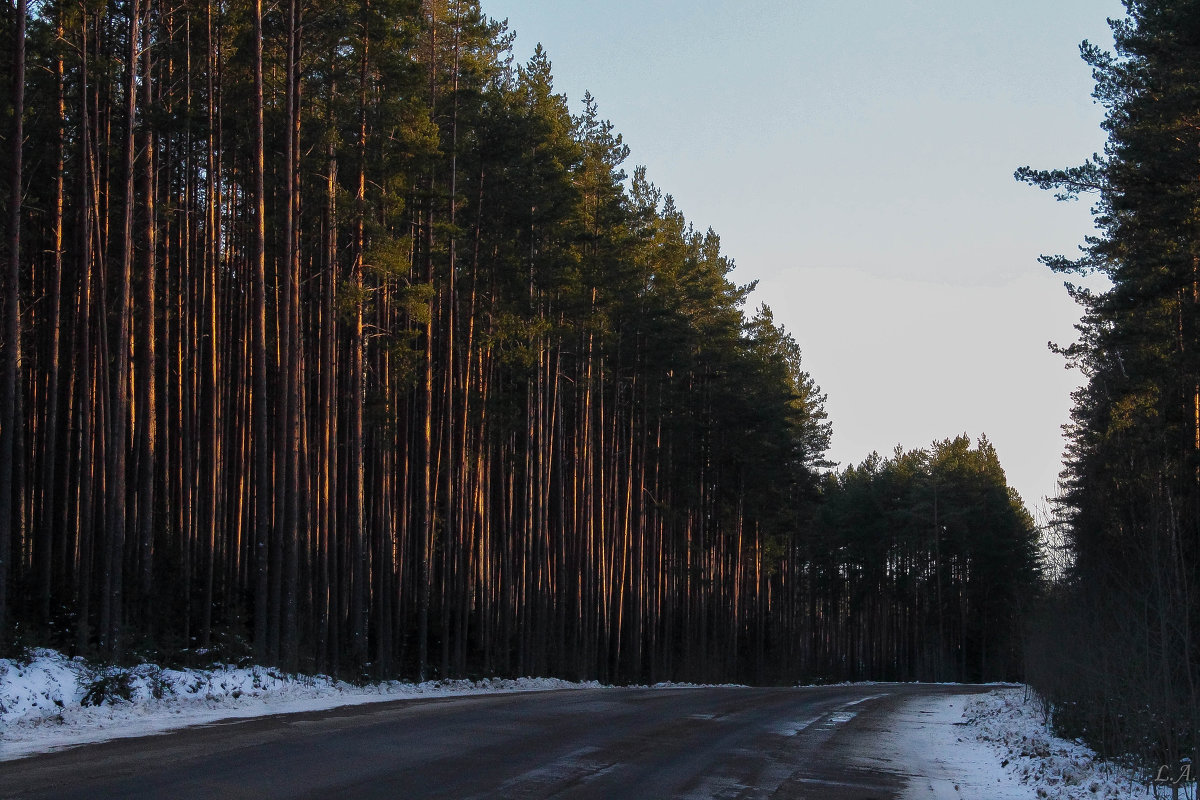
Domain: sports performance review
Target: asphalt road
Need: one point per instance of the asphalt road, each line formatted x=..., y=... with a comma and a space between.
x=602, y=743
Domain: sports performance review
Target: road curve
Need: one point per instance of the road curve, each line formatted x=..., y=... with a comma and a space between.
x=693, y=743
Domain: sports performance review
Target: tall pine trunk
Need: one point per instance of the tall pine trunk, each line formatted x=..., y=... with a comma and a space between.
x=355, y=500
x=112, y=599
x=12, y=321
x=263, y=493
x=146, y=368
x=48, y=525
x=292, y=438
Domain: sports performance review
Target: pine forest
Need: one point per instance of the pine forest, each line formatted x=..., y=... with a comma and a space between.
x=332, y=339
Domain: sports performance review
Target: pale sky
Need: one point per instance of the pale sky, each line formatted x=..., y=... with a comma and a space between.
x=856, y=158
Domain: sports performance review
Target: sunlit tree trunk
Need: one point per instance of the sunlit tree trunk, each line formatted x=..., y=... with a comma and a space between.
x=111, y=601
x=145, y=411
x=263, y=492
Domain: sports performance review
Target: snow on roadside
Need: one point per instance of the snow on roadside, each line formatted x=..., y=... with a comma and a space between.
x=1010, y=723
x=42, y=698
x=988, y=746
x=926, y=743
x=996, y=746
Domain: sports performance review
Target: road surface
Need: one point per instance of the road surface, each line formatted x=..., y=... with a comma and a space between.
x=593, y=743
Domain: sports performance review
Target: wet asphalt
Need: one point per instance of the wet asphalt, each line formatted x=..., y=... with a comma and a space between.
x=610, y=744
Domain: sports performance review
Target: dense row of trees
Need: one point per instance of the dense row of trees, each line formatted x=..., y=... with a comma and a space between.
x=339, y=335
x=332, y=339
x=924, y=565
x=1119, y=650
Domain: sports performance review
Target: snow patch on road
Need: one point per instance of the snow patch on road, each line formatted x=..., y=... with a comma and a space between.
x=840, y=718
x=794, y=727
x=928, y=744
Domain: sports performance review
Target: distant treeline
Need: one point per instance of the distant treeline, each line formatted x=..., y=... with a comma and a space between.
x=924, y=566
x=1117, y=653
x=333, y=340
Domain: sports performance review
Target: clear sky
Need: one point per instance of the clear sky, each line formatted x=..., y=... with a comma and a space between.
x=856, y=158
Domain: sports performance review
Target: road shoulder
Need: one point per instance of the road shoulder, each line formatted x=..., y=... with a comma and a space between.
x=933, y=746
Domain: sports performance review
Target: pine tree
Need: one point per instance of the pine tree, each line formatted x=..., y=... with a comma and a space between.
x=11, y=364
x=1132, y=483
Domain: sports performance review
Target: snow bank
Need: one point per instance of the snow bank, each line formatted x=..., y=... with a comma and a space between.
x=48, y=701
x=927, y=743
x=996, y=746
x=1012, y=725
